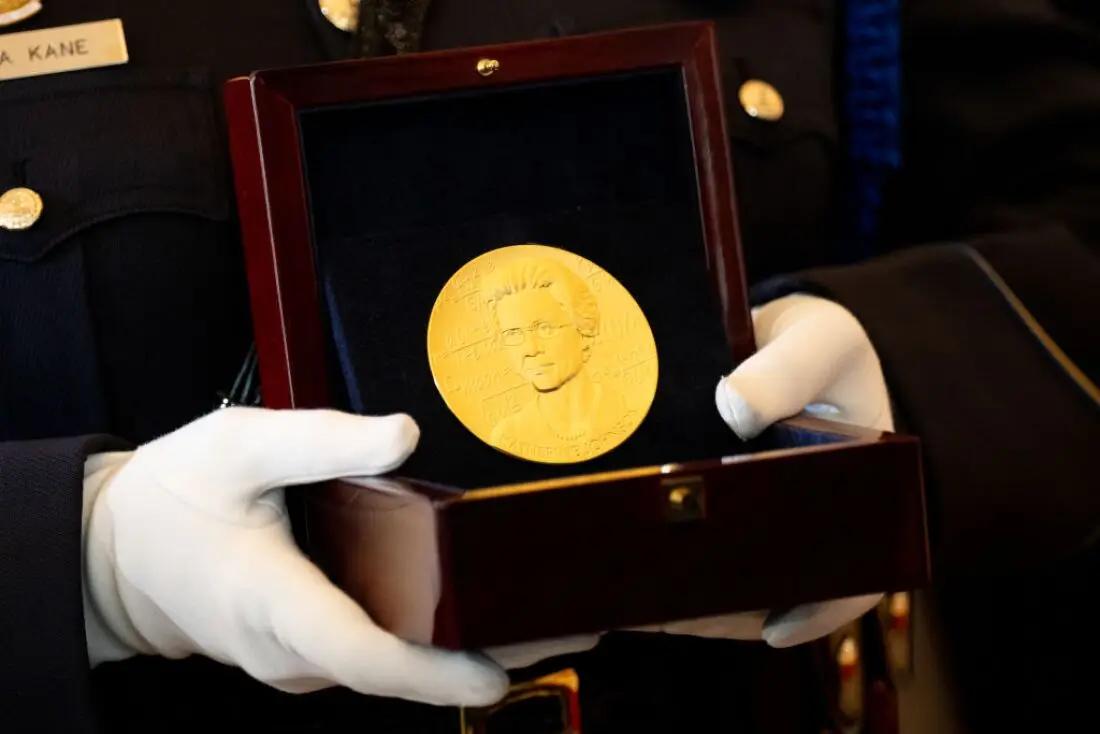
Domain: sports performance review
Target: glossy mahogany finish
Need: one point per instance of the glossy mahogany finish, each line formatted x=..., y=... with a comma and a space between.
x=781, y=526
x=818, y=511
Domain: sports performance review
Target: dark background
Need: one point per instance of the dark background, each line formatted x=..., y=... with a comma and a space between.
x=405, y=193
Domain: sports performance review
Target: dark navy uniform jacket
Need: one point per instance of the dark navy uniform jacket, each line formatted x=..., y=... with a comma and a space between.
x=958, y=221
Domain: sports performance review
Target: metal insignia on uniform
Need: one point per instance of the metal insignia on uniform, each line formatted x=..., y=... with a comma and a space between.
x=20, y=209
x=761, y=100
x=14, y=11
x=344, y=14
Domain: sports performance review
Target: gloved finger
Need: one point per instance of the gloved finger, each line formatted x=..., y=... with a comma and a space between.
x=253, y=450
x=806, y=345
x=813, y=621
x=742, y=626
x=303, y=446
x=334, y=640
x=514, y=657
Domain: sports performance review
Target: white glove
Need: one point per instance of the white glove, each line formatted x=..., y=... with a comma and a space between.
x=188, y=550
x=812, y=356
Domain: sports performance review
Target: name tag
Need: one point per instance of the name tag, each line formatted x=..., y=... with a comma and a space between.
x=67, y=48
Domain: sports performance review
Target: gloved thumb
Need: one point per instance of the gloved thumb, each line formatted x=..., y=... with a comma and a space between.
x=240, y=454
x=811, y=352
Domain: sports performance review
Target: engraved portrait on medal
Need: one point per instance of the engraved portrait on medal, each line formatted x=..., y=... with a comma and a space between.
x=542, y=354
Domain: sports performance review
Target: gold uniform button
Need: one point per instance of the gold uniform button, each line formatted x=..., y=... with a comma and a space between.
x=344, y=14
x=19, y=209
x=761, y=100
x=15, y=11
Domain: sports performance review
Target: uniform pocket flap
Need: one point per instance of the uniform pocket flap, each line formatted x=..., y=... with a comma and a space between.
x=84, y=144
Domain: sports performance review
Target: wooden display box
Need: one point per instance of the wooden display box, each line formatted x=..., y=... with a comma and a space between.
x=364, y=185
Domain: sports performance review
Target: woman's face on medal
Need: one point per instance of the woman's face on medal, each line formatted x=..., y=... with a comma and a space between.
x=542, y=343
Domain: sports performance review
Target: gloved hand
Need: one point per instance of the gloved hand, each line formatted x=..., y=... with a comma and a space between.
x=812, y=356
x=188, y=550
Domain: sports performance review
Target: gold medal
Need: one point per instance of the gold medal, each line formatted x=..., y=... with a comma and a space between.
x=542, y=354
x=14, y=11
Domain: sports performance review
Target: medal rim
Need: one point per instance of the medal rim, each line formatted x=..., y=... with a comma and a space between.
x=644, y=410
x=21, y=13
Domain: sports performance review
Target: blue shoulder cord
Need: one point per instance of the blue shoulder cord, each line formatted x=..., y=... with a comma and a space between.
x=872, y=112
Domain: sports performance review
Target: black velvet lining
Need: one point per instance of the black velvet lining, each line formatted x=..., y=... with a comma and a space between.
x=404, y=193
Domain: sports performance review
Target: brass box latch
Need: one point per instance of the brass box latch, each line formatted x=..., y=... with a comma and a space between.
x=686, y=499
x=488, y=67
